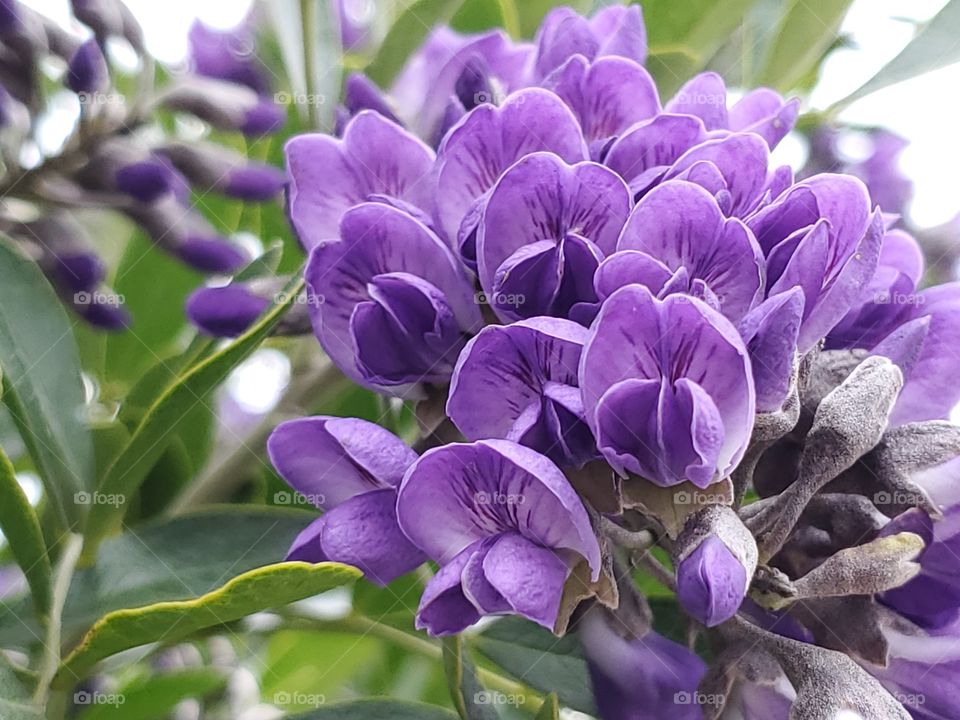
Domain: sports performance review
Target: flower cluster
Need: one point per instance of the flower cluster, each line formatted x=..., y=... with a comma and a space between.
x=113, y=160
x=636, y=324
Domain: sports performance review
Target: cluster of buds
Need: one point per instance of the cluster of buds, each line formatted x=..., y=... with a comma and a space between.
x=114, y=159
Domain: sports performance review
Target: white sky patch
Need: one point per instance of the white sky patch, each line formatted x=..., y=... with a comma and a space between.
x=258, y=382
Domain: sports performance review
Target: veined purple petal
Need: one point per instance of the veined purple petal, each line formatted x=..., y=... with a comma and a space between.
x=705, y=96
x=770, y=332
x=328, y=176
x=615, y=30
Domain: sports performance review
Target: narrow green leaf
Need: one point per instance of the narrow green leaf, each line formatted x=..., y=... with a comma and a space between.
x=15, y=702
x=153, y=697
x=550, y=710
x=42, y=385
x=174, y=559
x=479, y=15
x=407, y=33
x=536, y=657
x=20, y=525
x=256, y=590
x=806, y=32
x=934, y=47
x=160, y=423
x=470, y=699
x=374, y=709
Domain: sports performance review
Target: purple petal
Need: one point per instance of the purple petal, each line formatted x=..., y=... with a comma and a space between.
x=642, y=154
x=705, y=96
x=87, y=70
x=764, y=112
x=328, y=176
x=770, y=331
x=444, y=608
x=457, y=494
x=490, y=139
x=330, y=460
x=379, y=240
x=146, y=180
x=711, y=582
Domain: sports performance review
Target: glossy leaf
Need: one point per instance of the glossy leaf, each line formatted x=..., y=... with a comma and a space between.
x=374, y=709
x=42, y=385
x=254, y=591
x=20, y=525
x=154, y=697
x=536, y=657
x=151, y=437
x=934, y=46
x=806, y=32
x=407, y=33
x=177, y=559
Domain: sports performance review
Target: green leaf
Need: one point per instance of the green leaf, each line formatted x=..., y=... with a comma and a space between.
x=407, y=33
x=934, y=47
x=156, y=308
x=161, y=422
x=20, y=525
x=806, y=32
x=478, y=15
x=15, y=702
x=254, y=591
x=536, y=657
x=177, y=559
x=42, y=385
x=469, y=696
x=373, y=709
x=532, y=12
x=550, y=710
x=684, y=36
x=154, y=697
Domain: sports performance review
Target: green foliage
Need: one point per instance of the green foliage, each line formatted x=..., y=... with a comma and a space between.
x=20, y=525
x=42, y=388
x=153, y=698
x=15, y=701
x=469, y=696
x=378, y=710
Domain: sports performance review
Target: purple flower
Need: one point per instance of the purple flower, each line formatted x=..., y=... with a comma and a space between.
x=607, y=96
x=643, y=153
x=354, y=19
x=504, y=524
x=424, y=88
x=87, y=70
x=642, y=678
x=677, y=237
x=770, y=333
x=328, y=176
x=388, y=300
x=715, y=558
x=615, y=30
x=227, y=55
x=889, y=187
x=350, y=469
x=761, y=111
x=667, y=388
x=544, y=230
x=519, y=382
x=821, y=236
x=485, y=143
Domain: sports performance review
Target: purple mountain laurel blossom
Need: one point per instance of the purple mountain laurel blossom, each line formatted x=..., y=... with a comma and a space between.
x=624, y=328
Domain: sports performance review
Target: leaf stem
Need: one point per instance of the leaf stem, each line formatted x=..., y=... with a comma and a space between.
x=309, y=27
x=63, y=575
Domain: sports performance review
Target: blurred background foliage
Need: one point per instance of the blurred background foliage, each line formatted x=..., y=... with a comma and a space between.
x=173, y=422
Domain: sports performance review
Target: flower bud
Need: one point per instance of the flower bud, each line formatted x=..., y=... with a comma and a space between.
x=360, y=93
x=225, y=311
x=715, y=561
x=87, y=70
x=146, y=180
x=225, y=105
x=210, y=167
